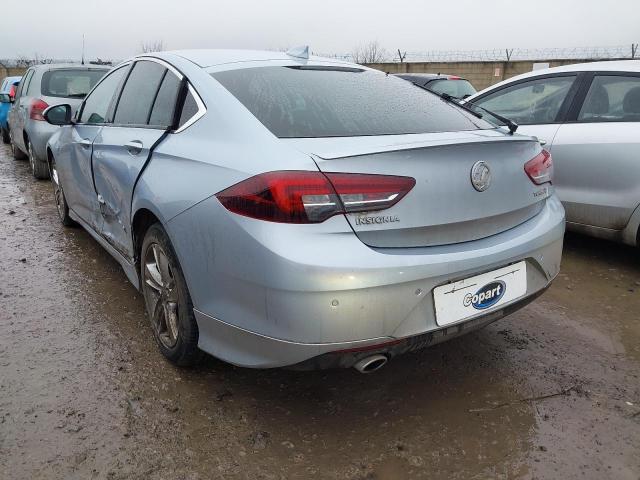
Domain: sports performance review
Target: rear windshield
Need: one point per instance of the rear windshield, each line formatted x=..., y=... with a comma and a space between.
x=455, y=88
x=70, y=83
x=295, y=102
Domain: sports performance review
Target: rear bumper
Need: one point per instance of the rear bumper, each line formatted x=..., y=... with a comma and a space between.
x=270, y=300
x=39, y=133
x=265, y=352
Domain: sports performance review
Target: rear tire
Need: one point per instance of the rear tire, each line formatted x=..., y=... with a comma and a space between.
x=167, y=300
x=5, y=136
x=39, y=168
x=17, y=153
x=61, y=201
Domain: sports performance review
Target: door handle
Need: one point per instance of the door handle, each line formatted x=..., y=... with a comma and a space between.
x=134, y=147
x=85, y=142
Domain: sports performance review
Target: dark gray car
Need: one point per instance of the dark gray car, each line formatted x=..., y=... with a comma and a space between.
x=438, y=83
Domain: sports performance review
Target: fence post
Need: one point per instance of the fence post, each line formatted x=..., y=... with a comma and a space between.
x=504, y=64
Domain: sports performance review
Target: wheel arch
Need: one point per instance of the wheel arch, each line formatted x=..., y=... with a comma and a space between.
x=631, y=233
x=141, y=221
x=49, y=156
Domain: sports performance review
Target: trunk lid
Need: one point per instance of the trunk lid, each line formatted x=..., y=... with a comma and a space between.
x=444, y=207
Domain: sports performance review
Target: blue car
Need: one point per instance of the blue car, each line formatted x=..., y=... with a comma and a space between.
x=7, y=93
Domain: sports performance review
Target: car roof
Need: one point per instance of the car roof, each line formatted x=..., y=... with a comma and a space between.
x=426, y=75
x=7, y=82
x=69, y=66
x=211, y=57
x=607, y=66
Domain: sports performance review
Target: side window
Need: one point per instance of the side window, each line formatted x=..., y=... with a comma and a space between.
x=527, y=103
x=165, y=102
x=24, y=84
x=33, y=89
x=189, y=109
x=139, y=93
x=612, y=98
x=97, y=103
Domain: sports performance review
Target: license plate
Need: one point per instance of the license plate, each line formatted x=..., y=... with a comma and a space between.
x=480, y=294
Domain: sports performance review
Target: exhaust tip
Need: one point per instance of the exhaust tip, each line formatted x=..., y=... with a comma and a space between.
x=371, y=364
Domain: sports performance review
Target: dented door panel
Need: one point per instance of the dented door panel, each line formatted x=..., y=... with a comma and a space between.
x=119, y=156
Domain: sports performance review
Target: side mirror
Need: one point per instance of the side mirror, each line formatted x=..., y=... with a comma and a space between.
x=5, y=98
x=58, y=115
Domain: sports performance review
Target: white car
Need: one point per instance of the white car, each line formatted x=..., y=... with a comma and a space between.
x=589, y=117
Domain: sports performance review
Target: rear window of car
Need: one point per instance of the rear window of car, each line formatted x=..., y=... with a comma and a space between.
x=70, y=83
x=319, y=101
x=455, y=88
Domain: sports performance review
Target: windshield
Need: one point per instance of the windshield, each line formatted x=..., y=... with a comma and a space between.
x=70, y=83
x=455, y=88
x=295, y=102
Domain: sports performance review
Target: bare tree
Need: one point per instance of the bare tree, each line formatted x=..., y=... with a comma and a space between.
x=371, y=52
x=154, y=46
x=99, y=61
x=25, y=62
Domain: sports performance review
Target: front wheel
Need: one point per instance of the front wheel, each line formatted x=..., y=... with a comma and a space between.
x=167, y=300
x=5, y=136
x=58, y=192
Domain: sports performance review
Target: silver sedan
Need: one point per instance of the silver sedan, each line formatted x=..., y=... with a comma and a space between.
x=277, y=209
x=589, y=116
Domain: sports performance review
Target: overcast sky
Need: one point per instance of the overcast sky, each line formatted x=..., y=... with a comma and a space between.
x=115, y=29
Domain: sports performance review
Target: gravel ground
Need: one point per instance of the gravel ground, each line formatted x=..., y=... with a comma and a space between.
x=552, y=391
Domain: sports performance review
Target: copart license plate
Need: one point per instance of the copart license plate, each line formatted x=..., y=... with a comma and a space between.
x=480, y=294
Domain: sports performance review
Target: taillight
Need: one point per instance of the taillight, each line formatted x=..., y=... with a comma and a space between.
x=37, y=109
x=312, y=197
x=540, y=168
x=12, y=91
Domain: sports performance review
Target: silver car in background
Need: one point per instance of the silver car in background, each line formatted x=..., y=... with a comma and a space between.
x=284, y=210
x=589, y=117
x=42, y=86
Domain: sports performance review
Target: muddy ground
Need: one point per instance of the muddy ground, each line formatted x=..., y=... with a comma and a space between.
x=552, y=391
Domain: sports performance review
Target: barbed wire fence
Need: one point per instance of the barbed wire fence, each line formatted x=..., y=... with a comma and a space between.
x=508, y=54
x=628, y=52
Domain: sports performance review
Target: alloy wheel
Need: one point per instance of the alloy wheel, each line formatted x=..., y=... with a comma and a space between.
x=161, y=295
x=57, y=191
x=32, y=157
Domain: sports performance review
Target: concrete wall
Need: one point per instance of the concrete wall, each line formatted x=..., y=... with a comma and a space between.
x=480, y=74
x=10, y=72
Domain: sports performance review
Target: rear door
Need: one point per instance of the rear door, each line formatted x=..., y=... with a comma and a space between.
x=538, y=105
x=143, y=114
x=597, y=152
